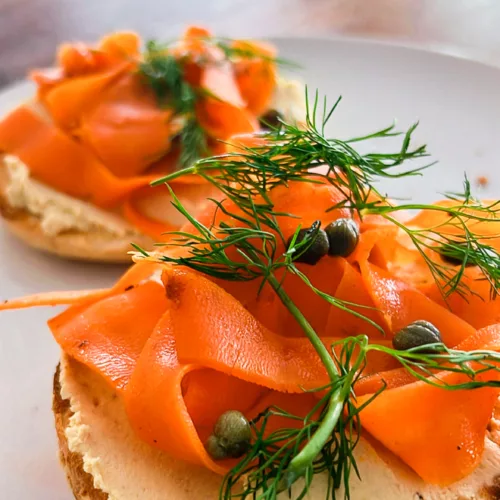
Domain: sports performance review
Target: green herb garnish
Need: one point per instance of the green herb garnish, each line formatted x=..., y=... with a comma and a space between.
x=164, y=73
x=324, y=442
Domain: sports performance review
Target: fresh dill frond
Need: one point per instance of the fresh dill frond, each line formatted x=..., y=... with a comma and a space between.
x=455, y=243
x=164, y=74
x=193, y=142
x=290, y=153
x=246, y=50
x=245, y=247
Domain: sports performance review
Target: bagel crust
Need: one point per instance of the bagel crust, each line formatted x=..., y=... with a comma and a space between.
x=94, y=246
x=103, y=459
x=80, y=481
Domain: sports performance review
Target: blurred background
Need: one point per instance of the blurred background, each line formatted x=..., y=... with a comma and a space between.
x=31, y=29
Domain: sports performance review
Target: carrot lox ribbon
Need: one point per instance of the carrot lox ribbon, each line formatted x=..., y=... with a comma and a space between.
x=61, y=162
x=439, y=433
x=401, y=304
x=163, y=359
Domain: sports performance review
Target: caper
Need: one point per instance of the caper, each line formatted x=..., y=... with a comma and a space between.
x=318, y=244
x=416, y=334
x=214, y=449
x=343, y=237
x=231, y=436
x=271, y=120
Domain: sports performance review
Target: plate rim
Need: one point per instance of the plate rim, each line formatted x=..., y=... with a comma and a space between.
x=446, y=50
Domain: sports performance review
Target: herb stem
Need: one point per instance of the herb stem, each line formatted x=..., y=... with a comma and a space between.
x=299, y=464
x=320, y=348
x=192, y=170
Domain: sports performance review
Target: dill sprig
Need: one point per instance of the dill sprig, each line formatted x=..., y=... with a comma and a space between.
x=245, y=49
x=290, y=153
x=164, y=74
x=247, y=244
x=457, y=239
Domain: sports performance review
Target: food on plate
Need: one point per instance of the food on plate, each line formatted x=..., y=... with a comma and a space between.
x=302, y=336
x=77, y=159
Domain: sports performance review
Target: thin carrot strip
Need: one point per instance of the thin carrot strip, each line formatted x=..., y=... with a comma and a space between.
x=438, y=433
x=401, y=304
x=61, y=162
x=54, y=298
x=221, y=332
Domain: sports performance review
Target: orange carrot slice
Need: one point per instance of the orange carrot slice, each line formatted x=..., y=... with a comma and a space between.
x=54, y=298
x=478, y=308
x=209, y=393
x=158, y=396
x=223, y=120
x=486, y=338
x=160, y=414
x=77, y=59
x=256, y=76
x=59, y=161
x=154, y=402
x=135, y=275
x=67, y=101
x=151, y=209
x=109, y=335
x=437, y=432
x=218, y=80
x=352, y=289
x=127, y=129
x=401, y=305
x=123, y=45
x=222, y=331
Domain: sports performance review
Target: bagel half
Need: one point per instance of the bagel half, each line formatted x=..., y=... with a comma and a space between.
x=99, y=244
x=96, y=245
x=103, y=459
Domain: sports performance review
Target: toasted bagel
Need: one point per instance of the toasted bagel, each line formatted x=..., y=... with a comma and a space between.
x=96, y=246
x=103, y=459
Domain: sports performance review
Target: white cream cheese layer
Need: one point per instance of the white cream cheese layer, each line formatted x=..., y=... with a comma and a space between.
x=290, y=100
x=57, y=212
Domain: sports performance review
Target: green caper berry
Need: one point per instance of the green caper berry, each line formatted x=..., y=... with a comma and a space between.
x=214, y=449
x=343, y=237
x=231, y=436
x=271, y=120
x=318, y=247
x=416, y=334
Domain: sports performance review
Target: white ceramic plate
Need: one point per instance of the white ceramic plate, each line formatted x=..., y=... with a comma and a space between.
x=457, y=103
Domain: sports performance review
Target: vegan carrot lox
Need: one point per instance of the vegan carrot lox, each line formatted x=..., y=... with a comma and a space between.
x=76, y=160
x=301, y=335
